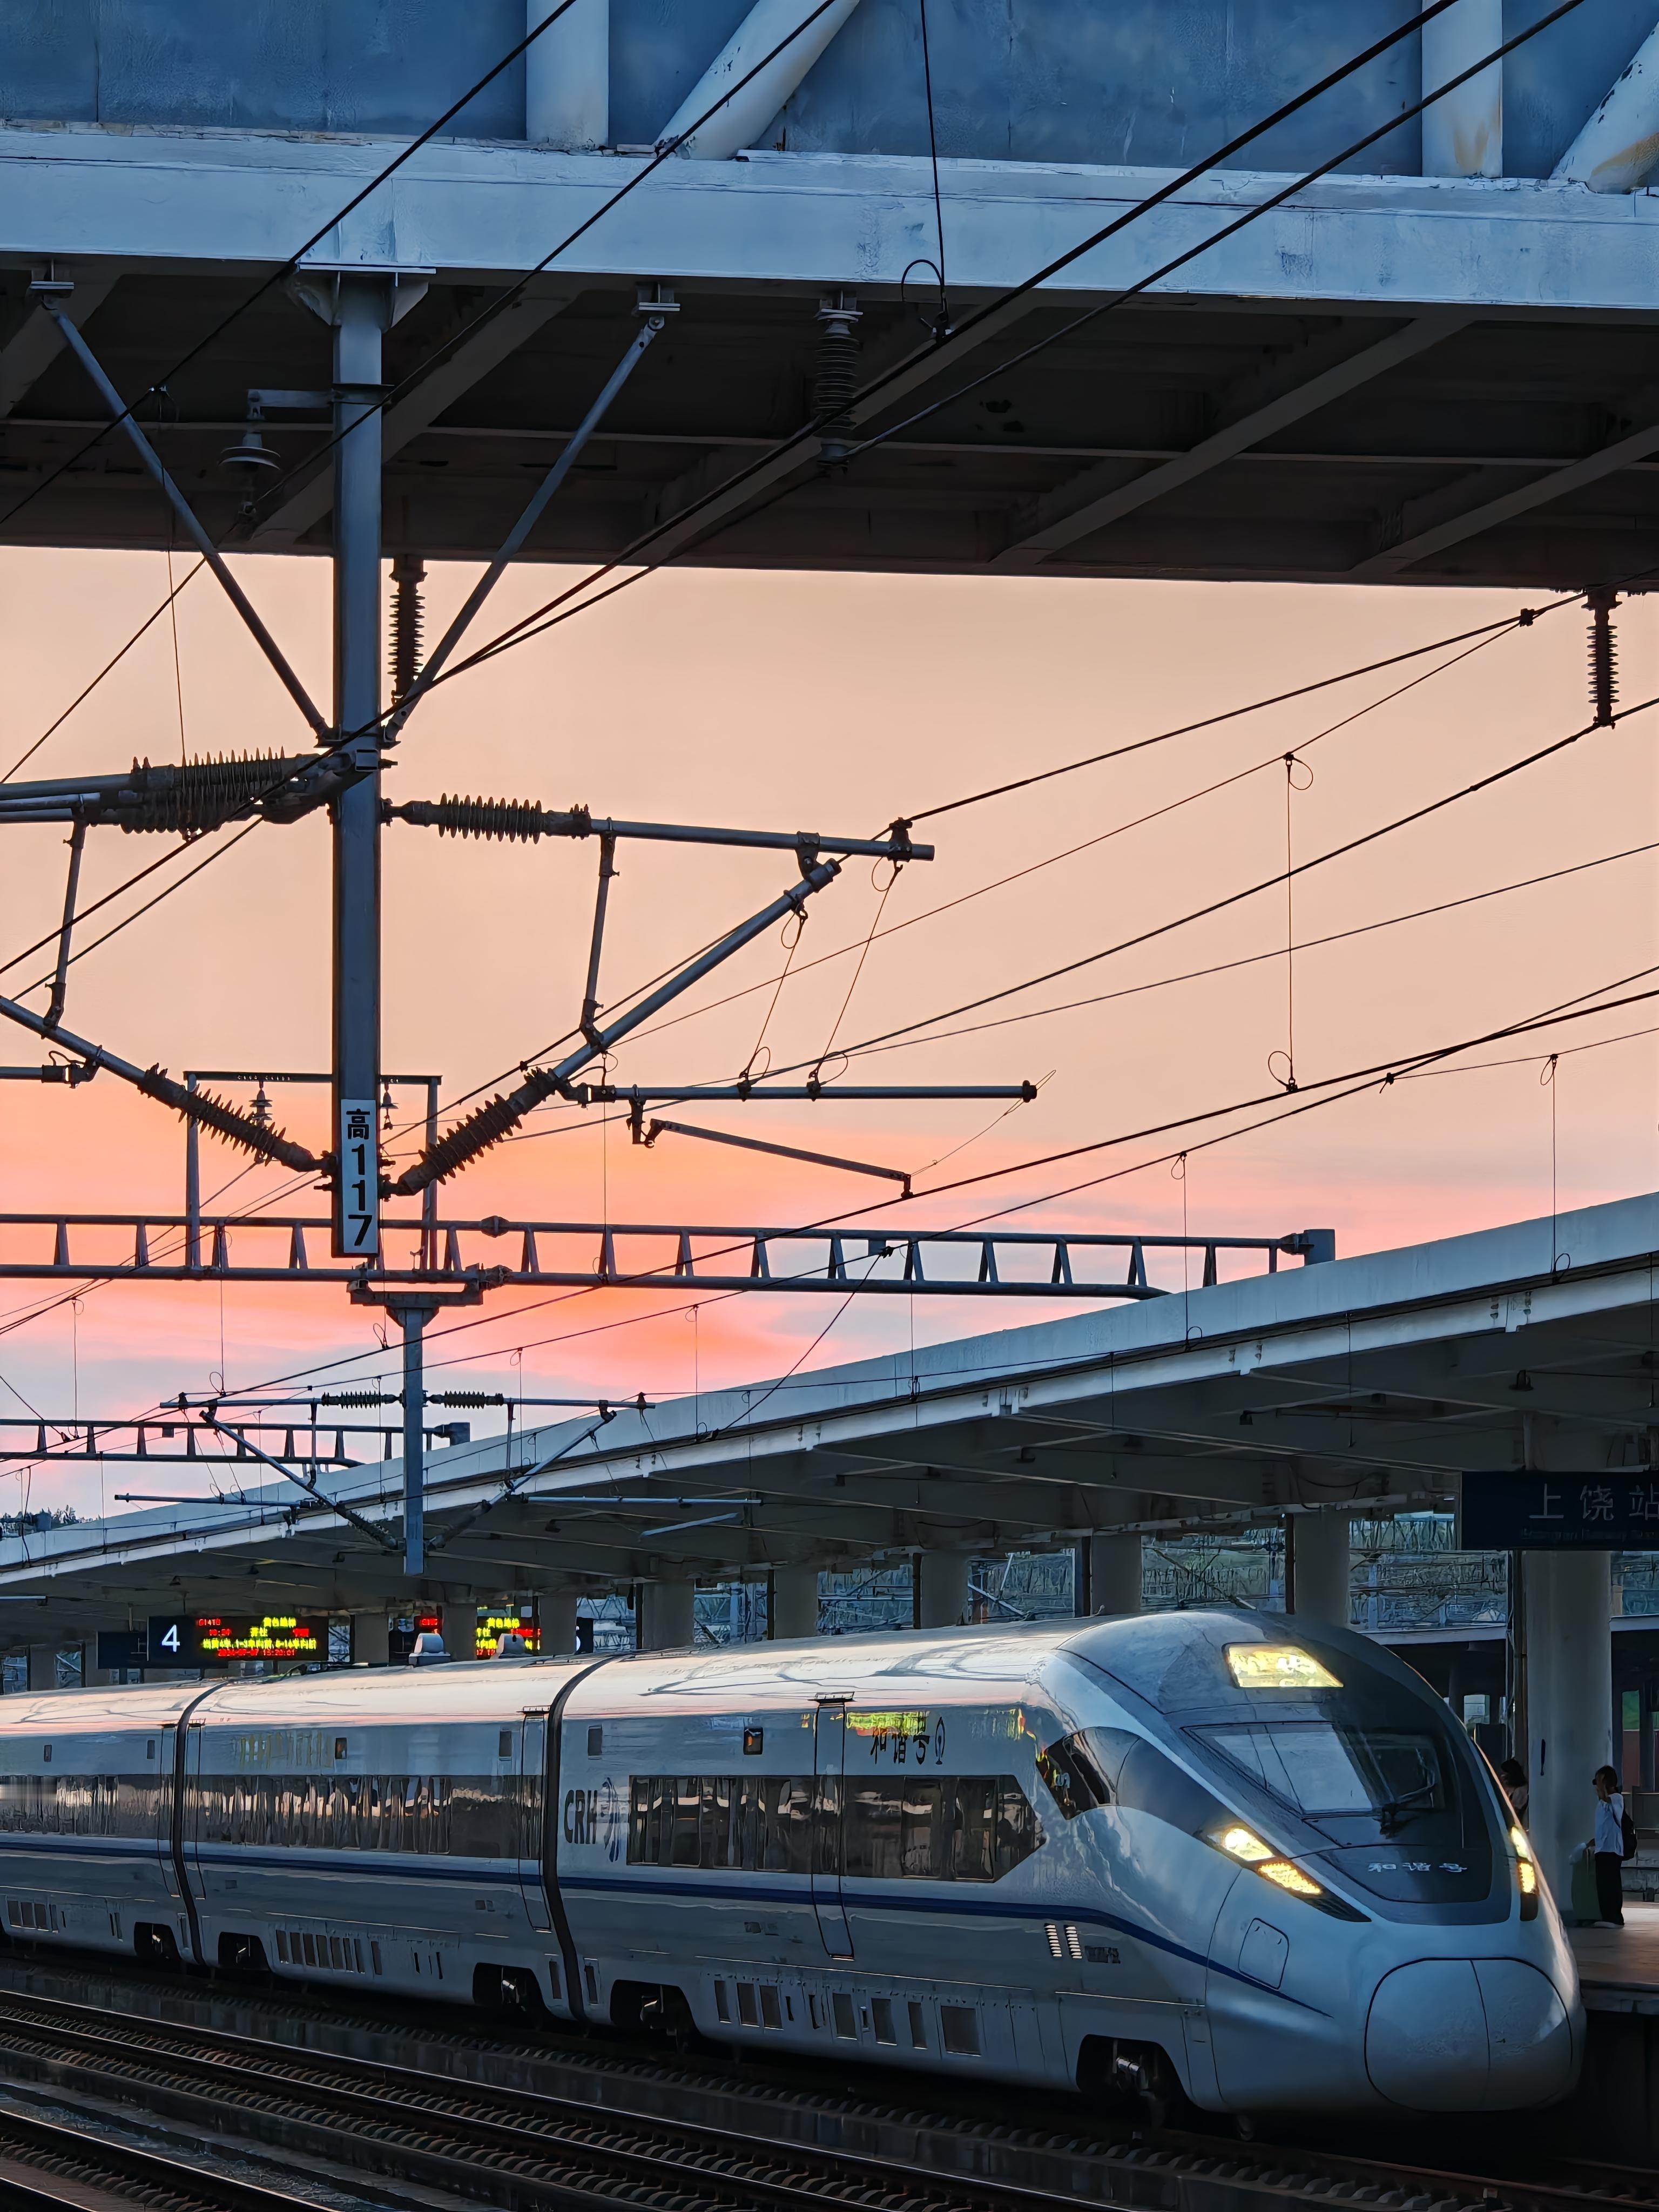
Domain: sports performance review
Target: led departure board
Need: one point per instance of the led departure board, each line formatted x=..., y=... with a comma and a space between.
x=223, y=1638
x=496, y=1621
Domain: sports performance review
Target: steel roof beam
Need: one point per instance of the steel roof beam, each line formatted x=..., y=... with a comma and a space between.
x=38, y=339
x=1257, y=407
x=313, y=496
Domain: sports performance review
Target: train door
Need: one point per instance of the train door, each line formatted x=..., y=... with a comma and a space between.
x=165, y=1796
x=532, y=1791
x=190, y=1832
x=829, y=1753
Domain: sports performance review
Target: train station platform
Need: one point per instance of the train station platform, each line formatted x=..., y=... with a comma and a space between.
x=1619, y=1967
x=1616, y=2108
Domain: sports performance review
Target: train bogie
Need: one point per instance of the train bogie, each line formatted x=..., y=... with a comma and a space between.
x=1201, y=1854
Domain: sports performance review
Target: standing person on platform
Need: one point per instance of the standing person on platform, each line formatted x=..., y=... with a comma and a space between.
x=1513, y=1776
x=1609, y=1847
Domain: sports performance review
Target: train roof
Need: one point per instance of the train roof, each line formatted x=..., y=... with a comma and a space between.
x=940, y=1664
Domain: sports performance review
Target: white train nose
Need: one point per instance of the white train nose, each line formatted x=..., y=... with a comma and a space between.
x=1459, y=2035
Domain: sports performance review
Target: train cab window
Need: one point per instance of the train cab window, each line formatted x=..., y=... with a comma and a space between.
x=1115, y=1767
x=1074, y=1775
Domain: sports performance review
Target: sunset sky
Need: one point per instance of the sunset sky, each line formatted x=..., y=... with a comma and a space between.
x=835, y=703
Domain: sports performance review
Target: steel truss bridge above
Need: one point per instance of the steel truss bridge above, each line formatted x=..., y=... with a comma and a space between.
x=1394, y=375
x=1366, y=1385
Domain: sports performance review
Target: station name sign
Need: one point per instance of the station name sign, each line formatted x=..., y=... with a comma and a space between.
x=1561, y=1512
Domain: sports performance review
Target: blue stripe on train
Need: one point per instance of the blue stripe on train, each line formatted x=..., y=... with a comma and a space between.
x=376, y=1866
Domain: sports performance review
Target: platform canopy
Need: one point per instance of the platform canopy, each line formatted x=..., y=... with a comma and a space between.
x=1390, y=376
x=1366, y=1385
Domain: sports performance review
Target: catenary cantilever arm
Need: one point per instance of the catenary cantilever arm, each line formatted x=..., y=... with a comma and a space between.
x=209, y=1420
x=499, y=1116
x=181, y=507
x=195, y=1105
x=514, y=1483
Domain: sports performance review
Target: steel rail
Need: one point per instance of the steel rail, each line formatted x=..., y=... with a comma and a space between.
x=1179, y=2169
x=464, y=2131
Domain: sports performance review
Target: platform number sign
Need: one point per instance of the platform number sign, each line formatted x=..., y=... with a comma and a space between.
x=359, y=1205
x=170, y=1641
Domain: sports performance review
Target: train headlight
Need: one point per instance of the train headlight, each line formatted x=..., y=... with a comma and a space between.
x=1239, y=1843
x=1290, y=1877
x=1278, y=1667
x=1526, y=1873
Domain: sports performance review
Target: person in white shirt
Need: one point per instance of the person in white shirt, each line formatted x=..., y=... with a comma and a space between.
x=1609, y=1847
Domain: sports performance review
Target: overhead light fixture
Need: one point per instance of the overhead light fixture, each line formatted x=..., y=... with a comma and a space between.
x=1278, y=1667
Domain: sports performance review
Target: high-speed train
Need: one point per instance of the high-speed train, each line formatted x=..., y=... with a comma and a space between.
x=1206, y=1851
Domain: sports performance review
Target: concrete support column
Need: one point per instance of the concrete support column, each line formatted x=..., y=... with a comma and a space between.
x=1318, y=1565
x=556, y=1614
x=1463, y=133
x=1567, y=1672
x=369, y=1646
x=567, y=76
x=667, y=1615
x=1110, y=1578
x=794, y=1607
x=942, y=1581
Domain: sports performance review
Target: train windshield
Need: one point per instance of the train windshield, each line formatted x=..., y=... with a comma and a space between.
x=1331, y=1771
x=1363, y=1760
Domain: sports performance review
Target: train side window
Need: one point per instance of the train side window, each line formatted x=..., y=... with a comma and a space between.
x=149, y=1747
x=595, y=1742
x=963, y=1827
x=755, y=1823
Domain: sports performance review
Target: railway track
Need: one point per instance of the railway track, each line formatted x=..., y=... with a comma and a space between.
x=412, y=2116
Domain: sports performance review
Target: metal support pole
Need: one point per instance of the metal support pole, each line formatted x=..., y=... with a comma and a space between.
x=412, y=1317
x=193, y=1188
x=362, y=312
x=60, y=979
x=429, y=1196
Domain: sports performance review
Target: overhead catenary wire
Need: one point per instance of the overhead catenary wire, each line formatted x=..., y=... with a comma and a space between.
x=1118, y=829
x=1028, y=284
x=1264, y=883
x=1378, y=1076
